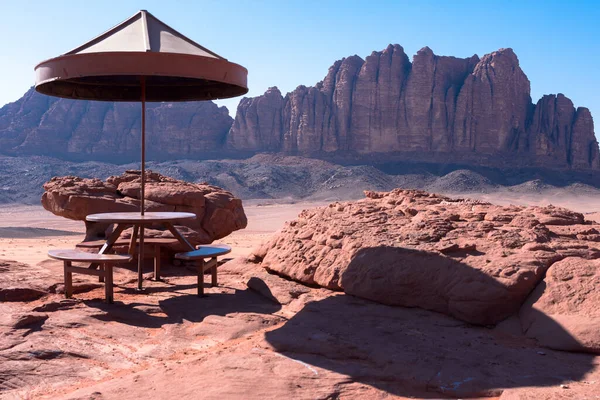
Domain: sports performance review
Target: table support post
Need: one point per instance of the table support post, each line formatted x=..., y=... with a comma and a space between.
x=133, y=240
x=127, y=219
x=108, y=246
x=141, y=259
x=112, y=238
x=179, y=236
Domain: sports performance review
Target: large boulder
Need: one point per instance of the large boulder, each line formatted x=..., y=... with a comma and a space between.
x=475, y=261
x=218, y=212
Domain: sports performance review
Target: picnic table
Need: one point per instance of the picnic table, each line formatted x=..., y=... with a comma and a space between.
x=124, y=220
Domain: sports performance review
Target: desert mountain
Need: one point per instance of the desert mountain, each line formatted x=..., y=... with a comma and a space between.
x=437, y=108
x=82, y=130
x=475, y=111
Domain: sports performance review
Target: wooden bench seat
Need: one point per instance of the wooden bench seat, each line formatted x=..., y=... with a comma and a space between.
x=106, y=262
x=154, y=244
x=199, y=255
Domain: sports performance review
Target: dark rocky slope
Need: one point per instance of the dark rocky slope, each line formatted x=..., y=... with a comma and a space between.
x=290, y=178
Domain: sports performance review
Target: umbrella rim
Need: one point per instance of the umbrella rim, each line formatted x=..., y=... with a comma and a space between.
x=136, y=53
x=135, y=63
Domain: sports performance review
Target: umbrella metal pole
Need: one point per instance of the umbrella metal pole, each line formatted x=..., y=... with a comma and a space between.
x=143, y=79
x=142, y=187
x=141, y=259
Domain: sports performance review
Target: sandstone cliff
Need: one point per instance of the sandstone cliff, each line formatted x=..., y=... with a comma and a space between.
x=472, y=110
x=43, y=125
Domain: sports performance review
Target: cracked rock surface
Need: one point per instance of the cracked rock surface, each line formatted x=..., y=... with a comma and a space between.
x=259, y=334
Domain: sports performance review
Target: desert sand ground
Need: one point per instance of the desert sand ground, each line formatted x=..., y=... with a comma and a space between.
x=28, y=232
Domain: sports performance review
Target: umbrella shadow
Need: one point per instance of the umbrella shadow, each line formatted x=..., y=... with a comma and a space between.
x=186, y=307
x=414, y=352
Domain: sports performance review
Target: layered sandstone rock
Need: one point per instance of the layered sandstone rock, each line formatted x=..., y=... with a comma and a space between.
x=218, y=212
x=472, y=260
x=258, y=129
x=471, y=110
x=435, y=108
x=83, y=130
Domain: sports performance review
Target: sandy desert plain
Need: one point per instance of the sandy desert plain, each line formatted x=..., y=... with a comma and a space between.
x=145, y=346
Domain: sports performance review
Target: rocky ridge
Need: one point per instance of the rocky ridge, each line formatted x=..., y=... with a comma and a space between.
x=291, y=178
x=93, y=130
x=448, y=109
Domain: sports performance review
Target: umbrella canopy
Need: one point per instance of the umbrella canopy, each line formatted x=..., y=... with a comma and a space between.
x=110, y=67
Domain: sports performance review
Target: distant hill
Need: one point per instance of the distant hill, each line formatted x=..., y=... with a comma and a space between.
x=385, y=108
x=292, y=178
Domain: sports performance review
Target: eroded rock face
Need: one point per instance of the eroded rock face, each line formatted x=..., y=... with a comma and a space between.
x=470, y=110
x=474, y=110
x=218, y=212
x=84, y=130
x=472, y=260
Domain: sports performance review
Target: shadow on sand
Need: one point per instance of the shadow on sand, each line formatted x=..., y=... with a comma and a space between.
x=413, y=352
x=183, y=307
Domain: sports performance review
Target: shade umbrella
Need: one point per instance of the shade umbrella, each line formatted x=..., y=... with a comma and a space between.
x=141, y=59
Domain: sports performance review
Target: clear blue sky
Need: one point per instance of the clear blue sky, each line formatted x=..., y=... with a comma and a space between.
x=287, y=43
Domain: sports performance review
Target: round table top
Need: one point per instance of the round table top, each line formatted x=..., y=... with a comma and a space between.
x=136, y=217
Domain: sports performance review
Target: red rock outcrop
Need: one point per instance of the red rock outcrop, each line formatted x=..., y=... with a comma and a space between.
x=84, y=130
x=258, y=134
x=237, y=343
x=472, y=110
x=218, y=212
x=472, y=260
